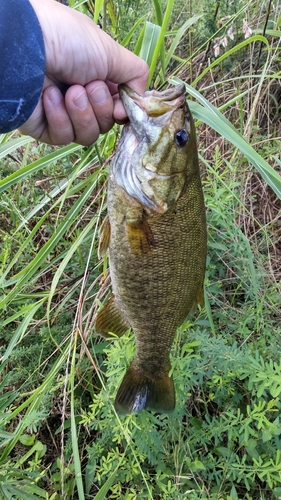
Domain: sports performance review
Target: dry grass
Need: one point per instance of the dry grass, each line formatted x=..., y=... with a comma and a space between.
x=257, y=117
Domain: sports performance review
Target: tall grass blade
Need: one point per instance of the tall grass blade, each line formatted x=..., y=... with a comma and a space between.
x=65, y=186
x=268, y=32
x=12, y=144
x=40, y=164
x=32, y=403
x=27, y=274
x=233, y=50
x=127, y=38
x=69, y=254
x=179, y=34
x=210, y=115
x=14, y=259
x=74, y=437
x=160, y=42
x=272, y=178
x=98, y=8
x=14, y=492
x=101, y=495
x=28, y=313
x=158, y=12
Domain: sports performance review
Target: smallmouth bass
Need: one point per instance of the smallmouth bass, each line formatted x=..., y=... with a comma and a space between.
x=155, y=233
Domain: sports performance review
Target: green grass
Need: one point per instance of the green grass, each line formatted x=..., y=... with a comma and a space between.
x=60, y=435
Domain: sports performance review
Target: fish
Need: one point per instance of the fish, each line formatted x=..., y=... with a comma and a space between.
x=155, y=234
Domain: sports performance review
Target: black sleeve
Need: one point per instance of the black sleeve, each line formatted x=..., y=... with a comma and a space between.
x=22, y=63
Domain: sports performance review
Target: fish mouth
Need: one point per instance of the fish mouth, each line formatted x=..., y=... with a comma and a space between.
x=155, y=107
x=154, y=104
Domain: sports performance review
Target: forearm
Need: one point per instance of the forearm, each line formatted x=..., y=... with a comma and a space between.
x=22, y=63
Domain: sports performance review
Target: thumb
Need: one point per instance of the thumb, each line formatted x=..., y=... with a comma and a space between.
x=124, y=66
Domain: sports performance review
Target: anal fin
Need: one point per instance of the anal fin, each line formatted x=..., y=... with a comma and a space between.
x=110, y=319
x=200, y=297
x=141, y=391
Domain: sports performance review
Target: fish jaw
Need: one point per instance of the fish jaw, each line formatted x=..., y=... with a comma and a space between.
x=153, y=104
x=151, y=166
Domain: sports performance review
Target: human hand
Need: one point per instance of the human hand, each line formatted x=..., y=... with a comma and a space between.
x=83, y=57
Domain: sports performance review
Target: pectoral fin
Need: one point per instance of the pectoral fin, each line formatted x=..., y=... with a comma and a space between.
x=140, y=237
x=110, y=319
x=104, y=237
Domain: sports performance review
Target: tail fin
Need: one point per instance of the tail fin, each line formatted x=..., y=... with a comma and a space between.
x=141, y=391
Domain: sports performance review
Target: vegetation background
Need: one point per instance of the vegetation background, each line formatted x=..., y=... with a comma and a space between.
x=60, y=436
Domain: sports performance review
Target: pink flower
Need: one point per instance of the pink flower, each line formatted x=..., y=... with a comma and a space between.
x=230, y=32
x=247, y=30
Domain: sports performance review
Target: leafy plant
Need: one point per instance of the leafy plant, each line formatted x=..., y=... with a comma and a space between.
x=60, y=435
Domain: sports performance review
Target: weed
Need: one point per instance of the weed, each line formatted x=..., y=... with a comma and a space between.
x=60, y=435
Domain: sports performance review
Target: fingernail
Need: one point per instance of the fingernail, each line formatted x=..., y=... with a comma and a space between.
x=55, y=96
x=81, y=101
x=99, y=95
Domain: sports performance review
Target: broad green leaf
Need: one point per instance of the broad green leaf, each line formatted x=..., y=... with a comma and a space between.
x=150, y=37
x=27, y=439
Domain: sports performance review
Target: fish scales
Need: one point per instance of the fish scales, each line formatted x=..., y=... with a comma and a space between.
x=156, y=240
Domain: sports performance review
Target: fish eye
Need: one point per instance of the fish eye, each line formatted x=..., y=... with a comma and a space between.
x=181, y=137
